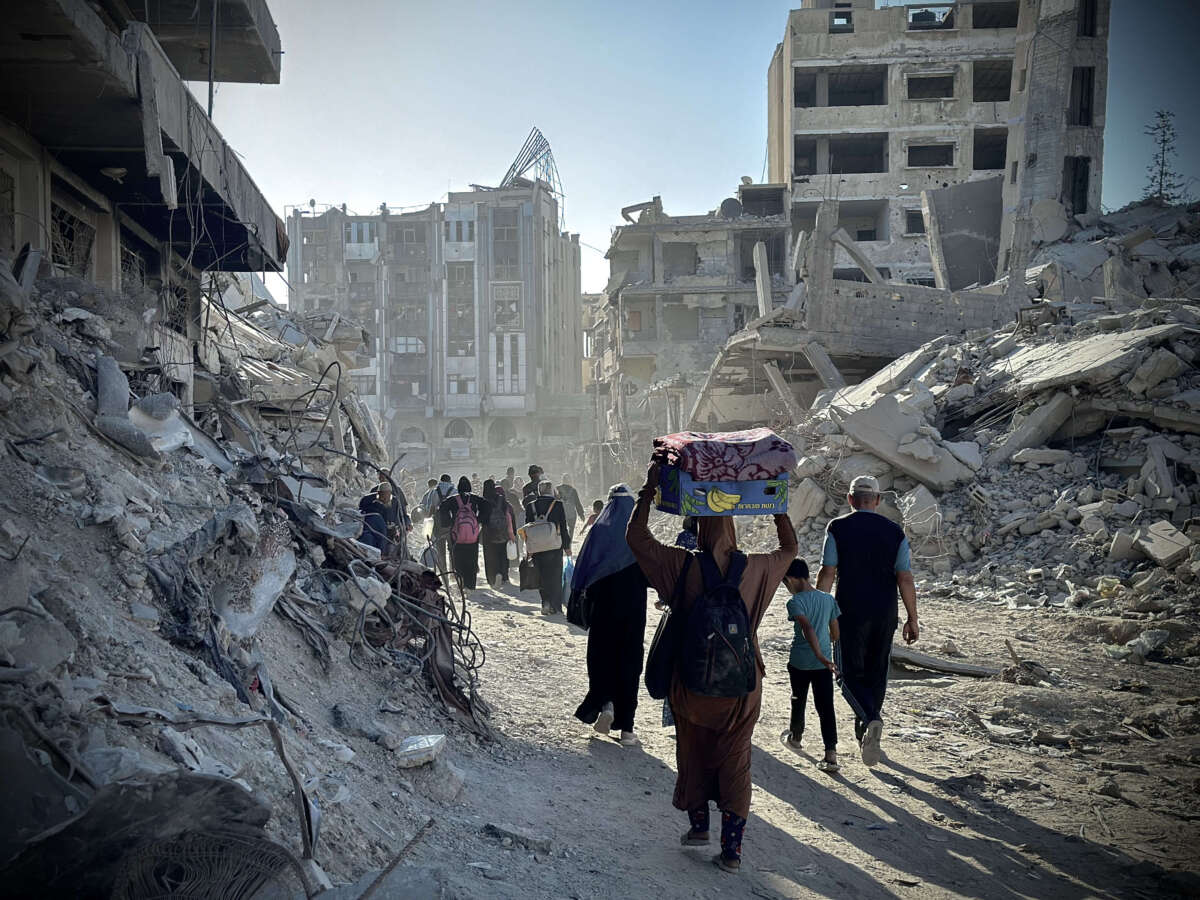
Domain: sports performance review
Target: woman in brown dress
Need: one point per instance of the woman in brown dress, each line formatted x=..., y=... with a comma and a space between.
x=712, y=747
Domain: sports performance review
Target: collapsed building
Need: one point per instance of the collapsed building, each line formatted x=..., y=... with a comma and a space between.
x=474, y=310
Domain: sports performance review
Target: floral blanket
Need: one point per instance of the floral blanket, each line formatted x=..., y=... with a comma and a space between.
x=726, y=456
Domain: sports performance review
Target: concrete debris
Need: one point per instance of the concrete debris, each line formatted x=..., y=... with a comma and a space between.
x=419, y=750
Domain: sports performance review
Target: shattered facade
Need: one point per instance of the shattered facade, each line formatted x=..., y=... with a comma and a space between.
x=679, y=286
x=474, y=310
x=869, y=107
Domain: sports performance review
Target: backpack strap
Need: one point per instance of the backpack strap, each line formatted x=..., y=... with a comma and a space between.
x=673, y=603
x=737, y=568
x=709, y=571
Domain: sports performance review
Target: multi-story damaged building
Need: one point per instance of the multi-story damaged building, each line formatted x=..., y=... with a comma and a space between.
x=869, y=107
x=679, y=286
x=474, y=306
x=111, y=171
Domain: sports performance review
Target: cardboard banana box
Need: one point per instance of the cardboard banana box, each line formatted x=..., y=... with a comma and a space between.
x=680, y=495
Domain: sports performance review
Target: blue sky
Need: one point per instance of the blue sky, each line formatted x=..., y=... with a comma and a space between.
x=401, y=100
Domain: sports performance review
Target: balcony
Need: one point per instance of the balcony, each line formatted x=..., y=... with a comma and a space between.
x=247, y=40
x=362, y=251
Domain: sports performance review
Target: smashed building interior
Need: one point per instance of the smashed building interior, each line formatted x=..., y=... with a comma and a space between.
x=200, y=661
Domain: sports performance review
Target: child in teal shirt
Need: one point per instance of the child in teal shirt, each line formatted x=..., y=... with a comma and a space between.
x=812, y=610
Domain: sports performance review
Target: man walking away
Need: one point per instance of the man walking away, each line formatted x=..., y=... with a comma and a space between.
x=815, y=616
x=385, y=520
x=869, y=556
x=510, y=476
x=530, y=490
x=569, y=497
x=549, y=563
x=432, y=502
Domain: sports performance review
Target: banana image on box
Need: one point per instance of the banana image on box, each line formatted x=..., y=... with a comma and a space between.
x=718, y=501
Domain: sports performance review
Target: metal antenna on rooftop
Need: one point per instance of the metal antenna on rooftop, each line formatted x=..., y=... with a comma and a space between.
x=535, y=155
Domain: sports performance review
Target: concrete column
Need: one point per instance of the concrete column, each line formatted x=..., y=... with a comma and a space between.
x=822, y=156
x=656, y=266
x=822, y=98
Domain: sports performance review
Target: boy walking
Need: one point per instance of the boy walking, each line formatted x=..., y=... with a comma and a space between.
x=812, y=610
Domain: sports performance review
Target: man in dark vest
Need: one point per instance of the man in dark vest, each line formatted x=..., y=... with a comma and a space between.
x=869, y=556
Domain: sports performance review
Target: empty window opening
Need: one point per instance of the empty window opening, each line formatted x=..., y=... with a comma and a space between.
x=921, y=280
x=761, y=201
x=1012, y=178
x=914, y=222
x=930, y=18
x=931, y=87
x=991, y=147
x=775, y=251
x=458, y=428
x=804, y=89
x=930, y=155
x=71, y=241
x=857, y=154
x=866, y=220
x=682, y=323
x=857, y=274
x=1087, y=18
x=991, y=80
x=8, y=211
x=858, y=86
x=804, y=156
x=506, y=245
x=996, y=15
x=1076, y=176
x=679, y=259
x=841, y=20
x=1083, y=95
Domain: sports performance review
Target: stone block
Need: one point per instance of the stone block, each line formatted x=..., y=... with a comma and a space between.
x=1163, y=543
x=1042, y=456
x=920, y=510
x=1161, y=365
x=806, y=501
x=1035, y=428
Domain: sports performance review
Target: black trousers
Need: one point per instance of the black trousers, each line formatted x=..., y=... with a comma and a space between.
x=821, y=681
x=616, y=647
x=866, y=654
x=495, y=562
x=466, y=564
x=549, y=566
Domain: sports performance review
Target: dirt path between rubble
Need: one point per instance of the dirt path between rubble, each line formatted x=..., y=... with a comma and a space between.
x=946, y=815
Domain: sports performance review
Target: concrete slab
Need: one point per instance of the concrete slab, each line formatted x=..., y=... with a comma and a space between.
x=1036, y=428
x=1163, y=543
x=880, y=428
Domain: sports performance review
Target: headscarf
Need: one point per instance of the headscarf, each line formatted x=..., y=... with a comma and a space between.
x=489, y=491
x=605, y=550
x=464, y=485
x=718, y=536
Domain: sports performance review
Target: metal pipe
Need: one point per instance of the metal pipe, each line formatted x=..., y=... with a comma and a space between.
x=212, y=55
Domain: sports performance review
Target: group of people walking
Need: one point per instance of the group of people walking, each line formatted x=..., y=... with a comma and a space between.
x=864, y=552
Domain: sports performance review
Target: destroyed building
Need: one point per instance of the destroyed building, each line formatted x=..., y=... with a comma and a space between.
x=870, y=107
x=111, y=171
x=474, y=309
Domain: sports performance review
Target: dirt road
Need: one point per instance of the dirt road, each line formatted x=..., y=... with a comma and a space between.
x=954, y=810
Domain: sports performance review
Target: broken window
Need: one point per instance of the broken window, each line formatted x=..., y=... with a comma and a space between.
x=930, y=155
x=404, y=388
x=359, y=232
x=841, y=20
x=991, y=147
x=71, y=241
x=682, y=323
x=996, y=15
x=930, y=18
x=407, y=345
x=857, y=154
x=775, y=251
x=459, y=428
x=922, y=280
x=991, y=80
x=914, y=221
x=1087, y=18
x=137, y=263
x=506, y=305
x=364, y=385
x=506, y=245
x=679, y=258
x=858, y=86
x=933, y=86
x=1076, y=176
x=761, y=201
x=1083, y=95
x=804, y=89
x=804, y=156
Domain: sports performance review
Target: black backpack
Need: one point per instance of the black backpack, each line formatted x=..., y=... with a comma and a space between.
x=716, y=651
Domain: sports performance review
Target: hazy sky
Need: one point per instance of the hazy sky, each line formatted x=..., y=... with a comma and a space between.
x=401, y=100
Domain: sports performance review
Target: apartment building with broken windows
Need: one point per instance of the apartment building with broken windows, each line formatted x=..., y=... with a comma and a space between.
x=474, y=306
x=111, y=171
x=870, y=107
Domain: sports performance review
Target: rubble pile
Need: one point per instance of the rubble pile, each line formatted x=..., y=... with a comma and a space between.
x=191, y=631
x=1055, y=462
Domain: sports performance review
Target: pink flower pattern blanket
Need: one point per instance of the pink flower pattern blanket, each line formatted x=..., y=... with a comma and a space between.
x=751, y=455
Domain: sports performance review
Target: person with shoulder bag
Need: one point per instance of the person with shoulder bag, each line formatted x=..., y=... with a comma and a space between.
x=498, y=530
x=547, y=540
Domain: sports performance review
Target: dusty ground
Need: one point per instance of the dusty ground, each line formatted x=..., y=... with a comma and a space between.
x=951, y=812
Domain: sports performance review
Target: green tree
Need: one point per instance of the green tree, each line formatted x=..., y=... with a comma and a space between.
x=1163, y=183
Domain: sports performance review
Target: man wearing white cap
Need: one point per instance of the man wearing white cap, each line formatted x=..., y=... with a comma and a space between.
x=869, y=556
